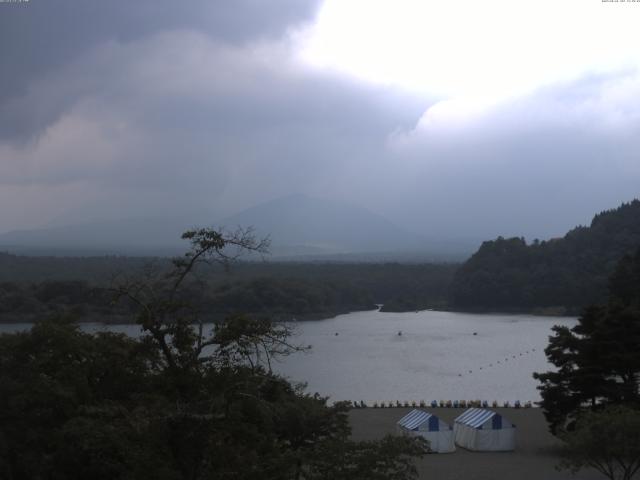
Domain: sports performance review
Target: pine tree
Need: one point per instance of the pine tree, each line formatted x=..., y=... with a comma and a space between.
x=598, y=360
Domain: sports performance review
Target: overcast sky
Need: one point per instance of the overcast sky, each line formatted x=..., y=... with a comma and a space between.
x=452, y=119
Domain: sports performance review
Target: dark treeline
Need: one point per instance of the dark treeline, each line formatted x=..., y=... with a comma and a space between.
x=560, y=275
x=178, y=402
x=278, y=290
x=95, y=270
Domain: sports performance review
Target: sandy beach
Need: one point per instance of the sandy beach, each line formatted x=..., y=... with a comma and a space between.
x=533, y=459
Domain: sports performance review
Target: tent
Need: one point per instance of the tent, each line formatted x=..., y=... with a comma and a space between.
x=430, y=427
x=484, y=431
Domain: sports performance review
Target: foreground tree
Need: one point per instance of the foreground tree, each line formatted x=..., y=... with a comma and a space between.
x=180, y=402
x=607, y=440
x=598, y=360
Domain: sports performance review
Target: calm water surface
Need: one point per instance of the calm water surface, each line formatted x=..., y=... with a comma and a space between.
x=436, y=357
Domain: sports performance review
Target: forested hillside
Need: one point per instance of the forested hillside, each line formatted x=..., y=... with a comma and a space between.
x=33, y=287
x=559, y=275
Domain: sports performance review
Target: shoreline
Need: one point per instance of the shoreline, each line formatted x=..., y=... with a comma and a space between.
x=106, y=319
x=535, y=456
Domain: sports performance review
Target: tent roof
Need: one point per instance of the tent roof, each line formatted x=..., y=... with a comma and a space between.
x=414, y=419
x=475, y=417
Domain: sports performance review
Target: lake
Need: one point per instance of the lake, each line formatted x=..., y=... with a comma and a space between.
x=439, y=355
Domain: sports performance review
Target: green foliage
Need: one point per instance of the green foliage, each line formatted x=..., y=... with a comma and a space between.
x=56, y=381
x=607, y=440
x=286, y=297
x=278, y=290
x=94, y=270
x=567, y=273
x=181, y=402
x=598, y=360
x=388, y=459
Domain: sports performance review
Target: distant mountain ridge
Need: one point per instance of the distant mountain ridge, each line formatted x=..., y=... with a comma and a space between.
x=297, y=225
x=559, y=276
x=298, y=222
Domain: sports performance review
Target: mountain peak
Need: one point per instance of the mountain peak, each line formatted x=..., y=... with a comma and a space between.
x=334, y=226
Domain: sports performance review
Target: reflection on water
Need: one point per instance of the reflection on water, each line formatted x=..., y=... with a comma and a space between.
x=439, y=355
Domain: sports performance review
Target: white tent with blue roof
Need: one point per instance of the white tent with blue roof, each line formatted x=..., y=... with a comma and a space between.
x=484, y=431
x=431, y=428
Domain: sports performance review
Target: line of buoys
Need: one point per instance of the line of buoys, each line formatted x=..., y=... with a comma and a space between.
x=443, y=404
x=499, y=362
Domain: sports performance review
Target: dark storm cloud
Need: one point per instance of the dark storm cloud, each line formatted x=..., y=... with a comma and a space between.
x=122, y=109
x=196, y=118
x=535, y=166
x=43, y=36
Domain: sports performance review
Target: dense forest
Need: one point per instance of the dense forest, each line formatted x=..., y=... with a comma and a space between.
x=178, y=402
x=31, y=287
x=557, y=276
